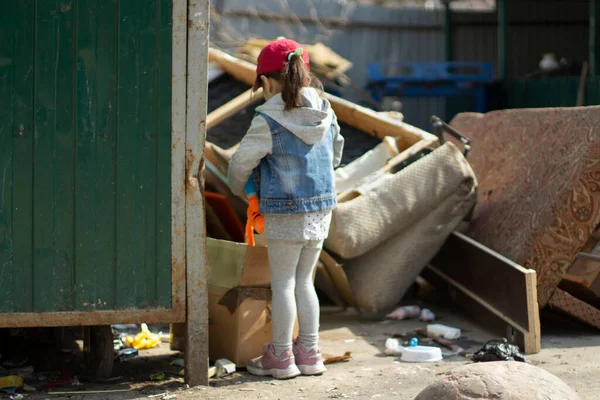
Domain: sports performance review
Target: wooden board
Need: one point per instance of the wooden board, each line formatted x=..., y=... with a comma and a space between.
x=369, y=121
x=491, y=287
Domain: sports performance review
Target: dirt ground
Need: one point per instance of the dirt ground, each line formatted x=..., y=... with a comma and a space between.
x=570, y=351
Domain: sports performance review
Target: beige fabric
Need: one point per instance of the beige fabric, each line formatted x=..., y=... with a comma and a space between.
x=399, y=201
x=381, y=277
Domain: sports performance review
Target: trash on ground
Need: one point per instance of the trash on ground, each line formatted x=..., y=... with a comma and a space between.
x=178, y=362
x=212, y=371
x=444, y=331
x=64, y=380
x=499, y=350
x=126, y=354
x=28, y=388
x=441, y=341
x=393, y=347
x=17, y=397
x=11, y=381
x=416, y=353
x=163, y=396
x=75, y=382
x=144, y=340
x=18, y=363
x=224, y=367
x=338, y=359
x=427, y=315
x=159, y=376
x=405, y=312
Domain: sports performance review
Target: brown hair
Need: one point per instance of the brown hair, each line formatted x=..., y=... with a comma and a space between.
x=293, y=78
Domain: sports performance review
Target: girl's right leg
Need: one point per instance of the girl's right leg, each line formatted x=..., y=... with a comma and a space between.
x=306, y=348
x=277, y=359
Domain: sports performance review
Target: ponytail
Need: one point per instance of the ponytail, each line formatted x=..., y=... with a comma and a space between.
x=293, y=78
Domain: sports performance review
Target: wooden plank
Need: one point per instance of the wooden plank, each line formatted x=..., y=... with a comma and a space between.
x=85, y=318
x=196, y=357
x=232, y=107
x=22, y=128
x=362, y=118
x=53, y=158
x=338, y=277
x=495, y=283
x=178, y=138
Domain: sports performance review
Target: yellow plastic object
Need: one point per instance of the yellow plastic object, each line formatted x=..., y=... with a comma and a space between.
x=12, y=381
x=143, y=340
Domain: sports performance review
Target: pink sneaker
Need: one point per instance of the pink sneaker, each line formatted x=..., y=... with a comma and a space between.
x=308, y=362
x=269, y=364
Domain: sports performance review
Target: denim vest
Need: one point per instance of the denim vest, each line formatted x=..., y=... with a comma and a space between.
x=296, y=178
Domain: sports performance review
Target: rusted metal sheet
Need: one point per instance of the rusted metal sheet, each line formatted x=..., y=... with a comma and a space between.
x=196, y=359
x=84, y=318
x=178, y=127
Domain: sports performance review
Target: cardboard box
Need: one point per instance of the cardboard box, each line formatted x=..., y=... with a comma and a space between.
x=239, y=300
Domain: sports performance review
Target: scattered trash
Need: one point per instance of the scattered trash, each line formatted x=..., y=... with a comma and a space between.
x=444, y=331
x=349, y=340
x=118, y=344
x=18, y=363
x=64, y=380
x=393, y=347
x=443, y=342
x=178, y=362
x=165, y=337
x=499, y=350
x=337, y=359
x=75, y=382
x=11, y=381
x=163, y=396
x=126, y=354
x=24, y=372
x=427, y=315
x=418, y=353
x=405, y=312
x=212, y=371
x=224, y=367
x=17, y=397
x=159, y=376
x=28, y=388
x=414, y=342
x=144, y=340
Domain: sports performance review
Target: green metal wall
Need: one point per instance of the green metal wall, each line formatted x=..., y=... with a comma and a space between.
x=552, y=92
x=85, y=155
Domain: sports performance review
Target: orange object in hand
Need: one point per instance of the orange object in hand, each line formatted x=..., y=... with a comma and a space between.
x=256, y=221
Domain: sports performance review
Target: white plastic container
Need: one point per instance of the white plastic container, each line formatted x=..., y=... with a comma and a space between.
x=421, y=354
x=444, y=331
x=393, y=347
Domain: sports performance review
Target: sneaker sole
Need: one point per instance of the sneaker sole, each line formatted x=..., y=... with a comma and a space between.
x=317, y=369
x=290, y=372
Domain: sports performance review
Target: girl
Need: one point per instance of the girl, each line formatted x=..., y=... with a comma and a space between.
x=292, y=146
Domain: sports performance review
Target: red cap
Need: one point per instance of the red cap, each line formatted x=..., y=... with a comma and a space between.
x=274, y=56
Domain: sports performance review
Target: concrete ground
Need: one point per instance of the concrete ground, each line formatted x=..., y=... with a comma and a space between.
x=571, y=352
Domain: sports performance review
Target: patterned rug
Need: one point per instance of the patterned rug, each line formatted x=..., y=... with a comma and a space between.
x=539, y=185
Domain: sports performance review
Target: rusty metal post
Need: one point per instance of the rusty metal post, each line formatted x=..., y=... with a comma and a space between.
x=196, y=354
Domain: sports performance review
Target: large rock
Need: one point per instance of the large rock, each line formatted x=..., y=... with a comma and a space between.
x=539, y=179
x=498, y=380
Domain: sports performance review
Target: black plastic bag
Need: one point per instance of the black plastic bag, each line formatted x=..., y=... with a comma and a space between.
x=499, y=350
